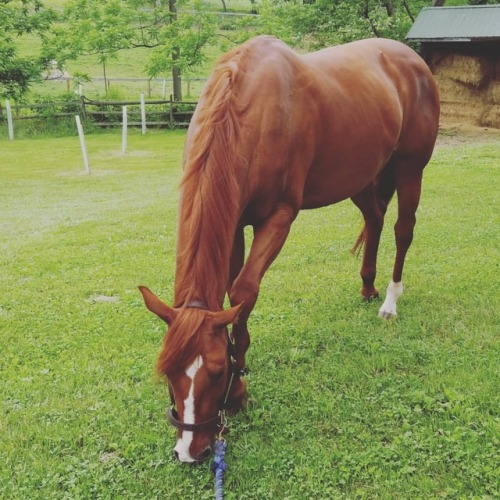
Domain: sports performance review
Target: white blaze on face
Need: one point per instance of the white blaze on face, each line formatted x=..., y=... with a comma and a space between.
x=183, y=444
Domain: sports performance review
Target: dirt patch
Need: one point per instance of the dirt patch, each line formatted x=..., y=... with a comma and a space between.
x=104, y=298
x=463, y=135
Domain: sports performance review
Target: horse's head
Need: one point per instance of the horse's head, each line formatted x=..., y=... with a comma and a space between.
x=202, y=374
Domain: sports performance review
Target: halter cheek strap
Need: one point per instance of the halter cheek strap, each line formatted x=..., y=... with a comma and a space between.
x=220, y=418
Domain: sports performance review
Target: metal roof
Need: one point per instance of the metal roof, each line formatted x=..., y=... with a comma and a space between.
x=456, y=24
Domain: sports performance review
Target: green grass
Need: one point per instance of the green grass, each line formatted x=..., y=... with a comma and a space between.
x=343, y=404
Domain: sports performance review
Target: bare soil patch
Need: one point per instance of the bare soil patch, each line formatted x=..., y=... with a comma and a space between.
x=465, y=135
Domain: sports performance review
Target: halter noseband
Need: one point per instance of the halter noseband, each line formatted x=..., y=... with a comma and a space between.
x=173, y=418
x=220, y=418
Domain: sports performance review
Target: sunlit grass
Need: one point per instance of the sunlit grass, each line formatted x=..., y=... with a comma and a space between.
x=342, y=403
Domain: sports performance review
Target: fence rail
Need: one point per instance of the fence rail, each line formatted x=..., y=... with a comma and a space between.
x=164, y=113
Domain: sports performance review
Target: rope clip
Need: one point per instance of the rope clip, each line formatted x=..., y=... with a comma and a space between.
x=222, y=425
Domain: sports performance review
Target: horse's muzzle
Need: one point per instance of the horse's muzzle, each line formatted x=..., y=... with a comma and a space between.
x=200, y=458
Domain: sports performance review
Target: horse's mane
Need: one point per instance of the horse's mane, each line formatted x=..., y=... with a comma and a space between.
x=210, y=194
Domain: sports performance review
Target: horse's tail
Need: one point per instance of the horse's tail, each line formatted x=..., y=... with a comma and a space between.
x=385, y=188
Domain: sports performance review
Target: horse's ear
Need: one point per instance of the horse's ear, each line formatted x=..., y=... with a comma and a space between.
x=224, y=318
x=155, y=305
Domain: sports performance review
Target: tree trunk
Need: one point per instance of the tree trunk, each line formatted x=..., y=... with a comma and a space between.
x=438, y=3
x=176, y=76
x=366, y=15
x=408, y=11
x=389, y=7
x=176, y=72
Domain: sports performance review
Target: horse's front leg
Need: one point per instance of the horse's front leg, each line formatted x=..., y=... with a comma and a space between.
x=238, y=395
x=269, y=237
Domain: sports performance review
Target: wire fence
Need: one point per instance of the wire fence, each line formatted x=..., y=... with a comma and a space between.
x=152, y=88
x=158, y=113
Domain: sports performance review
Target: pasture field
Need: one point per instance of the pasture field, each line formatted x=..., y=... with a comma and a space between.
x=343, y=404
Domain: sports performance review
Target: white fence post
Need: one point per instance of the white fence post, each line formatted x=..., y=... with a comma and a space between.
x=124, y=129
x=143, y=114
x=82, y=144
x=9, y=120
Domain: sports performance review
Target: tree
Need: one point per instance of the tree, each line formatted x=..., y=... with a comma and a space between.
x=176, y=72
x=178, y=43
x=91, y=27
x=483, y=2
x=18, y=18
x=322, y=23
x=104, y=27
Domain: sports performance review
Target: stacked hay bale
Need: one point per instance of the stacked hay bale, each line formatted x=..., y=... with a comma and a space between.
x=469, y=87
x=491, y=115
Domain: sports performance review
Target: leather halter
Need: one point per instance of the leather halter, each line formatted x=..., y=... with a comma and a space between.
x=197, y=304
x=173, y=418
x=218, y=420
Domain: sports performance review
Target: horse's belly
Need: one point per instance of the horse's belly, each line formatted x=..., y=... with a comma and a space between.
x=333, y=178
x=352, y=146
x=324, y=193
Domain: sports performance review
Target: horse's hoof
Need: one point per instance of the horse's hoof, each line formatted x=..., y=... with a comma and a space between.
x=387, y=314
x=369, y=292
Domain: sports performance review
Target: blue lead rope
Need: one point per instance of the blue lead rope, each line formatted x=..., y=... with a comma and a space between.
x=218, y=467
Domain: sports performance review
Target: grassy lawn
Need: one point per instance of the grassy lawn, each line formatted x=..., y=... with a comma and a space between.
x=343, y=404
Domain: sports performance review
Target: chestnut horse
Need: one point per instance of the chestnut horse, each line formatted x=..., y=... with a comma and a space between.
x=276, y=132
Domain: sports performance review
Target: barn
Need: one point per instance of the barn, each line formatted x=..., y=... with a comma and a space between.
x=462, y=47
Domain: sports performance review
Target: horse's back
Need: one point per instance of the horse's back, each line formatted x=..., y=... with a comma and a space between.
x=318, y=128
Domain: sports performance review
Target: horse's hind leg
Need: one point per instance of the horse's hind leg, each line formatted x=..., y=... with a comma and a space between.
x=372, y=202
x=408, y=186
x=373, y=216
